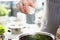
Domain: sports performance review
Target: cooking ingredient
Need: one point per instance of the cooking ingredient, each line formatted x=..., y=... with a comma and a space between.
x=3, y=11
x=36, y=37
x=2, y=29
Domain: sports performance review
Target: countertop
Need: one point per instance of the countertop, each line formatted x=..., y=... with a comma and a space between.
x=29, y=28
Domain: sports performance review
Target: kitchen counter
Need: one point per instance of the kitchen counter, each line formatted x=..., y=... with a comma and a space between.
x=29, y=28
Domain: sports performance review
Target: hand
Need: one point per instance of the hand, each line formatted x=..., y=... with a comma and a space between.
x=23, y=5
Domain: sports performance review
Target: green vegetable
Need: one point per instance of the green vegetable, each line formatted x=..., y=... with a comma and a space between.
x=3, y=11
x=41, y=37
x=36, y=37
x=2, y=29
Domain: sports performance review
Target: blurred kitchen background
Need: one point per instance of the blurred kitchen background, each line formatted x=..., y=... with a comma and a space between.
x=13, y=12
x=12, y=19
x=11, y=5
x=15, y=20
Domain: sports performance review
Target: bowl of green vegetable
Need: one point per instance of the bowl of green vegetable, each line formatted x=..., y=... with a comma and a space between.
x=37, y=36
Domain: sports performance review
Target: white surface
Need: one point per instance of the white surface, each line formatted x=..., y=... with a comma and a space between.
x=30, y=28
x=21, y=17
x=31, y=10
x=38, y=4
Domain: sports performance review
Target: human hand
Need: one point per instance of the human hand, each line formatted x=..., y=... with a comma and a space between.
x=23, y=5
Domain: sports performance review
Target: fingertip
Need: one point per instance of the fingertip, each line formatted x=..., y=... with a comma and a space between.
x=31, y=4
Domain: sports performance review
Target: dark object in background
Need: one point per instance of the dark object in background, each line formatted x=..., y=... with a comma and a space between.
x=9, y=31
x=9, y=39
x=52, y=16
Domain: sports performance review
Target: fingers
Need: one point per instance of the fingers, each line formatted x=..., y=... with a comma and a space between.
x=20, y=7
x=26, y=6
x=23, y=6
x=27, y=3
x=31, y=3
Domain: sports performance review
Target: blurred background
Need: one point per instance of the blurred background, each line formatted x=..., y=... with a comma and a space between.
x=11, y=6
